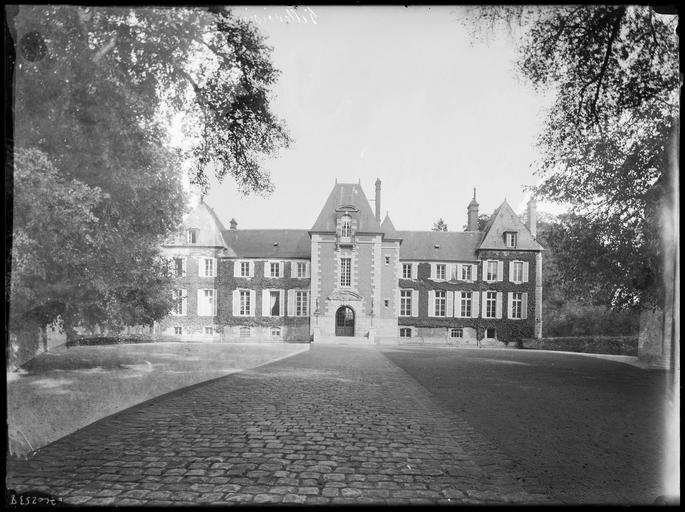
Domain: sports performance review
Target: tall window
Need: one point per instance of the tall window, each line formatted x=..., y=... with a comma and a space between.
x=207, y=267
x=301, y=269
x=275, y=303
x=517, y=271
x=466, y=304
x=490, y=304
x=466, y=273
x=517, y=305
x=180, y=302
x=245, y=306
x=406, y=270
x=346, y=226
x=491, y=271
x=405, y=303
x=440, y=271
x=192, y=236
x=440, y=303
x=244, y=269
x=345, y=271
x=301, y=303
x=179, y=267
x=510, y=239
x=275, y=269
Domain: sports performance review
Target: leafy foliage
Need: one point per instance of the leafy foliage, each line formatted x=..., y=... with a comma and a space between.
x=439, y=225
x=605, y=146
x=97, y=186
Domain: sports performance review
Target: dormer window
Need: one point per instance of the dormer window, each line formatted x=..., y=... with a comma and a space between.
x=510, y=239
x=346, y=226
x=192, y=236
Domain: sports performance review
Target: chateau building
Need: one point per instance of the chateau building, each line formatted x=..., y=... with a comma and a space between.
x=352, y=275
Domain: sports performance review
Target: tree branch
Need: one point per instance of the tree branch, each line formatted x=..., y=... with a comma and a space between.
x=607, y=55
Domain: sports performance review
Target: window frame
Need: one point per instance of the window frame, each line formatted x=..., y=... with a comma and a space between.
x=490, y=301
x=301, y=303
x=516, y=299
x=513, y=277
x=454, y=330
x=178, y=330
x=404, y=331
x=408, y=266
x=345, y=273
x=466, y=301
x=301, y=265
x=510, y=239
x=244, y=306
x=440, y=303
x=440, y=267
x=405, y=302
x=244, y=263
x=192, y=236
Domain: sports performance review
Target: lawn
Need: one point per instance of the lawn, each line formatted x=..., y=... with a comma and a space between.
x=66, y=389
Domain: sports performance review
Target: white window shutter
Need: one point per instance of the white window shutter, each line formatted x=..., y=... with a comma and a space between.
x=253, y=305
x=510, y=303
x=200, y=304
x=457, y=304
x=431, y=302
x=184, y=266
x=250, y=268
x=511, y=271
x=524, y=305
x=525, y=271
x=215, y=299
x=498, y=305
x=293, y=269
x=236, y=268
x=281, y=305
x=474, y=272
x=215, y=266
x=184, y=302
x=483, y=304
x=474, y=304
x=308, y=269
x=414, y=303
x=291, y=303
x=450, y=303
x=281, y=268
x=500, y=270
x=484, y=270
x=266, y=302
x=267, y=269
x=236, y=302
x=432, y=271
x=414, y=270
x=201, y=267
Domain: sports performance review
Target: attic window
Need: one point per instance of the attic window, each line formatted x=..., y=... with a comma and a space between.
x=510, y=239
x=275, y=244
x=192, y=236
x=346, y=226
x=437, y=246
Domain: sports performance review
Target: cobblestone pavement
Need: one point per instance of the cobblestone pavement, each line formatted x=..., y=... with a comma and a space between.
x=334, y=425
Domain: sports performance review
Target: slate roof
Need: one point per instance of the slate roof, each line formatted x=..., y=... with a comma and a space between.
x=452, y=245
x=268, y=243
x=504, y=219
x=347, y=194
x=389, y=229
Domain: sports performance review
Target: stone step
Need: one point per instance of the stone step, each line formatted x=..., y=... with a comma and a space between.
x=344, y=340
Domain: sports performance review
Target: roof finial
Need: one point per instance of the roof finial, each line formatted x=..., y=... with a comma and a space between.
x=474, y=193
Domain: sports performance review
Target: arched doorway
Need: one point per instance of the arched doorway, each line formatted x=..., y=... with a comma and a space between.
x=344, y=321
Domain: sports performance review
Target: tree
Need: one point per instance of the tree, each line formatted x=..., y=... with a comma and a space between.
x=439, y=225
x=605, y=144
x=97, y=186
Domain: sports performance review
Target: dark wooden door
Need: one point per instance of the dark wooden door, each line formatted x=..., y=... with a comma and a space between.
x=344, y=322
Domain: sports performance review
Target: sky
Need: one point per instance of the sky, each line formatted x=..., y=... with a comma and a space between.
x=406, y=95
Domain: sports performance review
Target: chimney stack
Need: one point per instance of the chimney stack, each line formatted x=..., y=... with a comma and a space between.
x=378, y=199
x=532, y=221
x=472, y=220
x=234, y=224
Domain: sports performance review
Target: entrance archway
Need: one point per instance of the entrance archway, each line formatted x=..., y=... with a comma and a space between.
x=344, y=321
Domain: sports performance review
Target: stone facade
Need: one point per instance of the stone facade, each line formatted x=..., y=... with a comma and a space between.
x=352, y=275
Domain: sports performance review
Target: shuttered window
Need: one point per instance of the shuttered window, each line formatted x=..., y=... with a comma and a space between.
x=490, y=304
x=406, y=271
x=405, y=302
x=180, y=302
x=465, y=305
x=440, y=302
x=245, y=303
x=345, y=271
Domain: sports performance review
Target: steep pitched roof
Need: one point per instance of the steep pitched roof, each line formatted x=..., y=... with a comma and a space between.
x=504, y=219
x=388, y=228
x=451, y=245
x=347, y=194
x=268, y=243
x=203, y=218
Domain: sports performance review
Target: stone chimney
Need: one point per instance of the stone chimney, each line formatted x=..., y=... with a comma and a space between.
x=532, y=221
x=234, y=224
x=378, y=199
x=472, y=223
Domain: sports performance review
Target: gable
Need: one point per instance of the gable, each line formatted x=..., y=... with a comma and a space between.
x=504, y=220
x=202, y=218
x=349, y=196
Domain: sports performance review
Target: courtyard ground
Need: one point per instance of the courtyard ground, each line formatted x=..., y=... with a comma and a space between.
x=588, y=428
x=395, y=425
x=66, y=389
